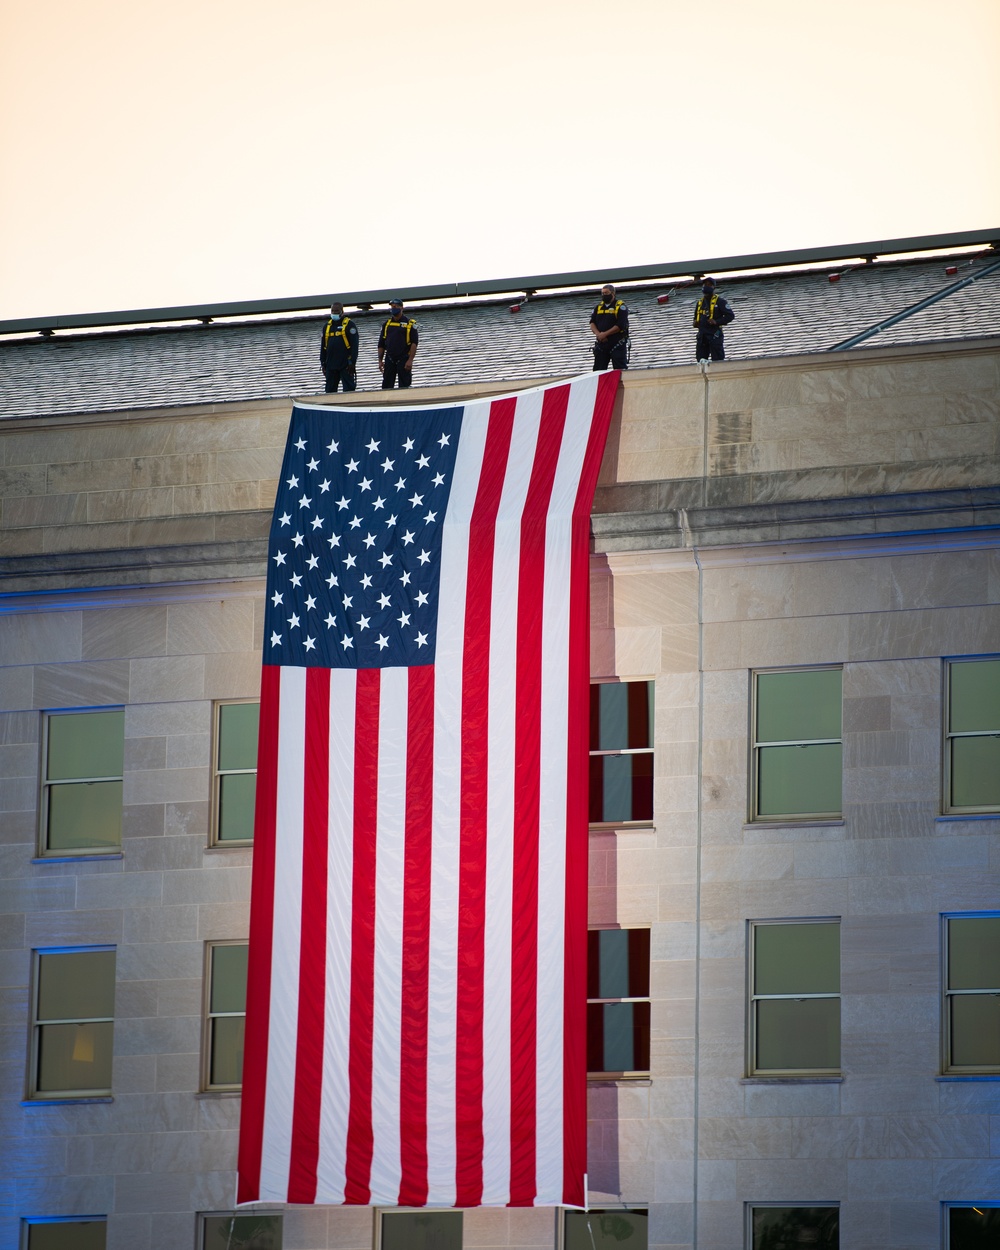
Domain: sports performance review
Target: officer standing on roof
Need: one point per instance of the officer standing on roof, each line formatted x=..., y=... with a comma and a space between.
x=397, y=345
x=609, y=324
x=711, y=313
x=338, y=353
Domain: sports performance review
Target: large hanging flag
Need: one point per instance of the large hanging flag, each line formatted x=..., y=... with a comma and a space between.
x=416, y=1004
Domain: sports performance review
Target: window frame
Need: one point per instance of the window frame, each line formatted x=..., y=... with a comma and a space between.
x=948, y=1068
x=650, y=751
x=382, y=1212
x=804, y=1074
x=202, y=1216
x=218, y=773
x=36, y=1025
x=207, y=1025
x=566, y=1213
x=948, y=808
x=30, y=1221
x=630, y=1074
x=753, y=814
x=961, y=1204
x=751, y=1207
x=46, y=785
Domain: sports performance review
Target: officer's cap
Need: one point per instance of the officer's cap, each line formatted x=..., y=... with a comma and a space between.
x=395, y=303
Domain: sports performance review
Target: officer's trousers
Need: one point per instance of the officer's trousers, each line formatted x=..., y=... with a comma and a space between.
x=710, y=345
x=347, y=375
x=614, y=351
x=394, y=369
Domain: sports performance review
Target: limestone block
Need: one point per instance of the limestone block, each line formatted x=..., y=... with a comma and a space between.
x=764, y=1137
x=167, y=718
x=30, y=510
x=173, y=678
x=158, y=925
x=94, y=684
x=222, y=921
x=678, y=652
x=177, y=1073
x=128, y=505
x=736, y=594
x=885, y=1093
x=40, y=638
x=169, y=785
x=222, y=885
x=124, y=632
x=216, y=497
x=233, y=675
x=187, y=751
x=840, y=1137
x=218, y=625
x=929, y=580
x=120, y=1153
x=658, y=599
x=792, y=1180
x=73, y=927
x=160, y=853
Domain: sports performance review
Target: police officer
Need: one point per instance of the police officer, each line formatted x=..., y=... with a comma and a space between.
x=711, y=313
x=397, y=345
x=338, y=353
x=609, y=323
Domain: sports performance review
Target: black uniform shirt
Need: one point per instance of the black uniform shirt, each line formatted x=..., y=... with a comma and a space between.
x=605, y=316
x=398, y=336
x=334, y=353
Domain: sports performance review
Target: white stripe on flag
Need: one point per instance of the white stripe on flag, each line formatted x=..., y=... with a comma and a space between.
x=500, y=814
x=389, y=876
x=446, y=820
x=284, y=1017
x=554, y=764
x=340, y=876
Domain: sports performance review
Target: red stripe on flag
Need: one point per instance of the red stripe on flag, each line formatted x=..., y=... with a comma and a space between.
x=261, y=934
x=575, y=941
x=360, y=1139
x=527, y=783
x=312, y=953
x=416, y=936
x=474, y=796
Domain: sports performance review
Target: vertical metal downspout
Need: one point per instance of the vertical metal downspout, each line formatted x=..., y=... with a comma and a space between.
x=689, y=536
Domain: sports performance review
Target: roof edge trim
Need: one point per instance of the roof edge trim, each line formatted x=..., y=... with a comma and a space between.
x=536, y=282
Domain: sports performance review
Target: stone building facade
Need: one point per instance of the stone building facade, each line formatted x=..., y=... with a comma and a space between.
x=800, y=557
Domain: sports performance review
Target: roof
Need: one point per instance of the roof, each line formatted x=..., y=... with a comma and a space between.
x=777, y=314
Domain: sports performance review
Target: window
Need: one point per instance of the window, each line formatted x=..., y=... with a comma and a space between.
x=227, y=1231
x=608, y=1228
x=82, y=1232
x=794, y=1017
x=617, y=1001
x=796, y=744
x=235, y=772
x=773, y=1227
x=81, y=808
x=74, y=1008
x=621, y=752
x=420, y=1230
x=972, y=736
x=972, y=1226
x=225, y=1014
x=972, y=994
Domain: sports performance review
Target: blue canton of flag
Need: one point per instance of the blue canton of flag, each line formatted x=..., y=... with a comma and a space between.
x=354, y=554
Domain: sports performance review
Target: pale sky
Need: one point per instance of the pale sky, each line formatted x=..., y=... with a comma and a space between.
x=194, y=151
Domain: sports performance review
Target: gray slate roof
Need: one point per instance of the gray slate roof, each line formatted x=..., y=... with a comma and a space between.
x=776, y=315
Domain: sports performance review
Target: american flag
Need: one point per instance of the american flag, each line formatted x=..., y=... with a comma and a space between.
x=416, y=1000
